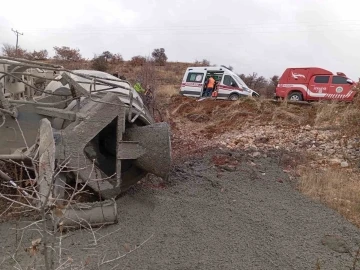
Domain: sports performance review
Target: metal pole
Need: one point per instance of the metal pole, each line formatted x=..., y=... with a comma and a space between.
x=17, y=33
x=17, y=42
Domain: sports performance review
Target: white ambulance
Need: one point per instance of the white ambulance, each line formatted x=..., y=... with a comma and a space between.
x=229, y=85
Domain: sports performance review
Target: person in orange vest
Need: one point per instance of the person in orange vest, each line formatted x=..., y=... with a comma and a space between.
x=210, y=87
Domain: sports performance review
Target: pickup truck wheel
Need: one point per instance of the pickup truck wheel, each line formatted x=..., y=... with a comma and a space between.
x=234, y=97
x=296, y=96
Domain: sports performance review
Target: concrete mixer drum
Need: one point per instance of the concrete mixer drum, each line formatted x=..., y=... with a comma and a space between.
x=98, y=124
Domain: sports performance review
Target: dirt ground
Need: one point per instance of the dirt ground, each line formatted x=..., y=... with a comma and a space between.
x=223, y=210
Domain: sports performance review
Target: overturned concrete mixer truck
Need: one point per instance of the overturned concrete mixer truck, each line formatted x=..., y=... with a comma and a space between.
x=100, y=127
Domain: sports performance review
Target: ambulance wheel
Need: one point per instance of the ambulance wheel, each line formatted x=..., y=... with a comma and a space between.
x=234, y=97
x=295, y=96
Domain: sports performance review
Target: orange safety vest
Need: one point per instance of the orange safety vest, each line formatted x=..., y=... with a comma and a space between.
x=211, y=83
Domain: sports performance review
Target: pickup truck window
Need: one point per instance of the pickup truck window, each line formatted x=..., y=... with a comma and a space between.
x=322, y=79
x=339, y=80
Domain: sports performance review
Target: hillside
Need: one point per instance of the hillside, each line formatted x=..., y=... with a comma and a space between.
x=262, y=178
x=317, y=145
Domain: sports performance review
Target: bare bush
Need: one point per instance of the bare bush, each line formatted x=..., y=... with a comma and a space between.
x=274, y=80
x=38, y=192
x=148, y=74
x=269, y=91
x=10, y=51
x=67, y=54
x=137, y=61
x=204, y=62
x=148, y=77
x=167, y=91
x=117, y=58
x=39, y=55
x=254, y=81
x=266, y=88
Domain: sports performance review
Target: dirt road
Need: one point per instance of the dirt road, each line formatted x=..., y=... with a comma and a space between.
x=238, y=216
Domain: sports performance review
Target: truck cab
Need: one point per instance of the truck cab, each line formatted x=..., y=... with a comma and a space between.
x=312, y=84
x=230, y=86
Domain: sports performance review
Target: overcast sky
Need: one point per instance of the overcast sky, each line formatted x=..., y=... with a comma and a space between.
x=263, y=36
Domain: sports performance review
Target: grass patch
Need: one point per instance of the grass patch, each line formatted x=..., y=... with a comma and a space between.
x=335, y=187
x=167, y=91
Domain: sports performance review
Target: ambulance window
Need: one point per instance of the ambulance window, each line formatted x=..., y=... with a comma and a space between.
x=339, y=80
x=195, y=77
x=322, y=79
x=229, y=81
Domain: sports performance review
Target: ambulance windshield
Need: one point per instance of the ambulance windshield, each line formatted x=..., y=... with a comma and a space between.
x=239, y=80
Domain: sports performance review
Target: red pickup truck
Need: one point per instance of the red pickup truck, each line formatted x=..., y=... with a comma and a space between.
x=313, y=83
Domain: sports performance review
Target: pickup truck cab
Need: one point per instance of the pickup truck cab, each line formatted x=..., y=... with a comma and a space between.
x=310, y=84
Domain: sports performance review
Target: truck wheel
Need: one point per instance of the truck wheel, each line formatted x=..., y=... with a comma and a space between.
x=296, y=96
x=234, y=97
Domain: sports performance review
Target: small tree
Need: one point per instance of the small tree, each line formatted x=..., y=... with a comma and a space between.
x=138, y=61
x=159, y=56
x=205, y=62
x=67, y=54
x=271, y=88
x=274, y=80
x=254, y=81
x=99, y=63
x=10, y=51
x=107, y=55
x=117, y=58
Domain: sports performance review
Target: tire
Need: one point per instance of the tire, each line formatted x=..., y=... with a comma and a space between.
x=295, y=96
x=234, y=97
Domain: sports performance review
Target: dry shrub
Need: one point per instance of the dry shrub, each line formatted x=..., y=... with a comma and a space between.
x=182, y=106
x=281, y=115
x=228, y=114
x=177, y=68
x=345, y=116
x=147, y=74
x=169, y=76
x=137, y=61
x=334, y=187
x=83, y=64
x=342, y=114
x=350, y=120
x=167, y=91
x=327, y=113
x=67, y=54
